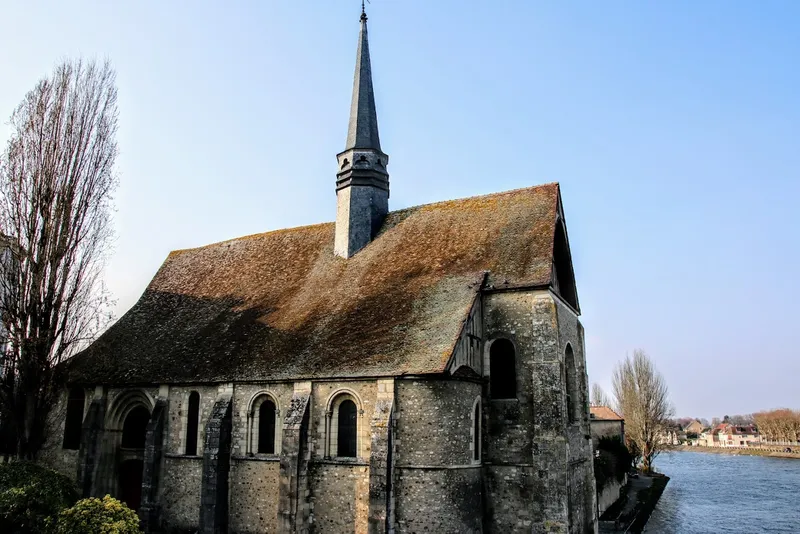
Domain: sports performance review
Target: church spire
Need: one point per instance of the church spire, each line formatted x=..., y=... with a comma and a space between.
x=362, y=181
x=363, y=129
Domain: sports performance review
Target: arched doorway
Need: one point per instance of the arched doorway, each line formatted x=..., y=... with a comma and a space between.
x=134, y=436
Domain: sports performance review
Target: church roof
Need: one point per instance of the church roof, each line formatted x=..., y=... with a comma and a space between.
x=281, y=305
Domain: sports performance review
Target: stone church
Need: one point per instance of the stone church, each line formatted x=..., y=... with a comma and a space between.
x=420, y=370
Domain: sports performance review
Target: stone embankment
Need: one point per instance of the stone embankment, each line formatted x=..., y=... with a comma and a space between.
x=631, y=512
x=774, y=452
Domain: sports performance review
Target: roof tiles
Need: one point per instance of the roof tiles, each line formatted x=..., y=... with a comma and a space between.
x=280, y=305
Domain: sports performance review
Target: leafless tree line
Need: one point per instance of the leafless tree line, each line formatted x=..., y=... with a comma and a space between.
x=779, y=426
x=56, y=193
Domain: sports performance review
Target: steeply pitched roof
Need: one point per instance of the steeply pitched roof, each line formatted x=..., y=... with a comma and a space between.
x=604, y=413
x=280, y=305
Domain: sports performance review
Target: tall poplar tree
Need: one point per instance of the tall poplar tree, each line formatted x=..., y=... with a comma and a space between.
x=56, y=197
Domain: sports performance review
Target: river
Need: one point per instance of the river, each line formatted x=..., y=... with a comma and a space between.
x=710, y=493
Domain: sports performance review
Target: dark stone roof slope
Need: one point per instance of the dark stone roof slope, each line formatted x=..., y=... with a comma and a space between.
x=280, y=305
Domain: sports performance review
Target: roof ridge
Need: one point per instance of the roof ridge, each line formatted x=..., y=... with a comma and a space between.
x=400, y=211
x=476, y=197
x=251, y=236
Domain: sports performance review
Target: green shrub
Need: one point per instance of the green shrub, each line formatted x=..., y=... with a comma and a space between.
x=612, y=461
x=623, y=459
x=31, y=496
x=98, y=516
x=603, y=471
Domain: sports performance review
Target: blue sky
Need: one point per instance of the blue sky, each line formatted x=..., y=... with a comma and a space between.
x=673, y=128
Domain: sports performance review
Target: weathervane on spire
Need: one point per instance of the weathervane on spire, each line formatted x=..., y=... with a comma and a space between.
x=363, y=11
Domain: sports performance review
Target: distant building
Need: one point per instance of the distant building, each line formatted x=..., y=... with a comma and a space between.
x=729, y=435
x=695, y=428
x=672, y=434
x=738, y=436
x=605, y=422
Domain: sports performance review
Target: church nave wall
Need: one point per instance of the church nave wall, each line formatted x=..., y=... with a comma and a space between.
x=180, y=492
x=254, y=496
x=339, y=497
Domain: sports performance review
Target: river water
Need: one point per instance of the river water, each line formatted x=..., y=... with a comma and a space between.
x=710, y=493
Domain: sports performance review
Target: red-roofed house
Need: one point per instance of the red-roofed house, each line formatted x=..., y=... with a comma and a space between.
x=605, y=422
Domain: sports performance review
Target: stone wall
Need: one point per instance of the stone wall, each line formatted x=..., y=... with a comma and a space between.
x=437, y=482
x=178, y=416
x=339, y=487
x=525, y=446
x=254, y=496
x=340, y=497
x=52, y=454
x=582, y=494
x=531, y=447
x=439, y=500
x=180, y=496
x=609, y=494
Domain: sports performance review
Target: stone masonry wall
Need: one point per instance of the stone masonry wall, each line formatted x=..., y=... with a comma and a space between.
x=581, y=495
x=243, y=397
x=445, y=501
x=254, y=477
x=178, y=416
x=341, y=497
x=340, y=487
x=437, y=482
x=254, y=496
x=525, y=447
x=180, y=487
x=180, y=500
x=52, y=454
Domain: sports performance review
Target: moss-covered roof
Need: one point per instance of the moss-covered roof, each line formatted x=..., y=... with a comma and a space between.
x=280, y=305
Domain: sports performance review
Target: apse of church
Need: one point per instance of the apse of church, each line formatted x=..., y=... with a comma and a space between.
x=448, y=394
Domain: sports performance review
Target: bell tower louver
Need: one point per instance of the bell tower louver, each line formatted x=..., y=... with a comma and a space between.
x=362, y=181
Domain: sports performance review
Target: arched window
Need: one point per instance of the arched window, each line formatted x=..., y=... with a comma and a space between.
x=134, y=430
x=192, y=423
x=347, y=429
x=476, y=431
x=266, y=427
x=572, y=384
x=502, y=370
x=74, y=419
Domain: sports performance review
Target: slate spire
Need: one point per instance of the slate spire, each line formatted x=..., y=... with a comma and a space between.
x=363, y=128
x=362, y=181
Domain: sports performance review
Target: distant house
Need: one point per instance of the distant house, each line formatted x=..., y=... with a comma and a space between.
x=729, y=435
x=672, y=434
x=695, y=428
x=738, y=436
x=705, y=438
x=605, y=422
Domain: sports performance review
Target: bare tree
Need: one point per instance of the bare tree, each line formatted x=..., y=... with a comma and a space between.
x=56, y=188
x=739, y=419
x=780, y=426
x=643, y=400
x=599, y=397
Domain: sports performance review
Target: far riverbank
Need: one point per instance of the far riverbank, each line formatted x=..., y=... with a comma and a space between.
x=738, y=451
